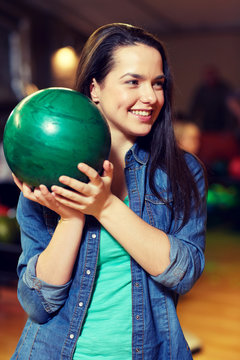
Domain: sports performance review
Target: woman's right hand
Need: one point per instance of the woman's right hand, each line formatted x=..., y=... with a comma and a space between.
x=44, y=197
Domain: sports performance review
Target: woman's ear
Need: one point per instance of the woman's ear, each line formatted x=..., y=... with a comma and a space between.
x=94, y=91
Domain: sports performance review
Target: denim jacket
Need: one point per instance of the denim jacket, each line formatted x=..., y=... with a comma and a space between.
x=56, y=313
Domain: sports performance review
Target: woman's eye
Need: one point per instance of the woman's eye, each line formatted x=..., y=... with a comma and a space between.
x=158, y=85
x=132, y=82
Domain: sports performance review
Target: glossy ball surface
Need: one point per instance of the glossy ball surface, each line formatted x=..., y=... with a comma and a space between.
x=49, y=132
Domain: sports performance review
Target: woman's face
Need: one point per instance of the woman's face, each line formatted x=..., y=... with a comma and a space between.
x=131, y=95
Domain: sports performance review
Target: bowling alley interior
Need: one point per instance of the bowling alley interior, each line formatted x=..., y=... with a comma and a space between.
x=40, y=46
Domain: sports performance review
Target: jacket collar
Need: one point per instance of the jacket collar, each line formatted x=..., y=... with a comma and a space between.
x=140, y=155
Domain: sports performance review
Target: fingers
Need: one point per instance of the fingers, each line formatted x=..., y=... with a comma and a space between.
x=65, y=195
x=43, y=195
x=78, y=195
x=26, y=189
x=108, y=169
x=91, y=173
x=68, y=200
x=40, y=195
x=17, y=182
x=80, y=187
x=28, y=192
x=74, y=184
x=85, y=195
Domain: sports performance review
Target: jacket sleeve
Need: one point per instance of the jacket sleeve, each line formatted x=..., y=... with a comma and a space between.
x=187, y=245
x=39, y=299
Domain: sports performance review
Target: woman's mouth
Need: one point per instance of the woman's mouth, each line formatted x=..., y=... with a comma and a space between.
x=141, y=112
x=144, y=116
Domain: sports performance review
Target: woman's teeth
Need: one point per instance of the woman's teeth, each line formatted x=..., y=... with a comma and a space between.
x=141, y=112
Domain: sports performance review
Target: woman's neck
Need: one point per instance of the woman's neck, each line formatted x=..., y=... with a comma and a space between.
x=120, y=146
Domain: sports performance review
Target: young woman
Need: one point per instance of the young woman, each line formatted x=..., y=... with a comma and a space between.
x=103, y=281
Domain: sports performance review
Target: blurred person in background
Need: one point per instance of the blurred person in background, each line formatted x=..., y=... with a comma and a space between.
x=188, y=135
x=208, y=105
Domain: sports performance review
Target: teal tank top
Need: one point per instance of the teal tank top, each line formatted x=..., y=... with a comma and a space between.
x=107, y=329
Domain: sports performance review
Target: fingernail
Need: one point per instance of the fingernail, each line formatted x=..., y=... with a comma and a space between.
x=62, y=179
x=81, y=166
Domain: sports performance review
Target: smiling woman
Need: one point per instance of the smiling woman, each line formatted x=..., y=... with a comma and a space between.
x=103, y=281
x=131, y=96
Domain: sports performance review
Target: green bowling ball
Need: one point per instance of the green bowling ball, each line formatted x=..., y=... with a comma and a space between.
x=49, y=132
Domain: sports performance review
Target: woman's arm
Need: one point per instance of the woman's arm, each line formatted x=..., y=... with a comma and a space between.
x=176, y=259
x=131, y=232
x=39, y=299
x=96, y=199
x=47, y=258
x=188, y=243
x=55, y=263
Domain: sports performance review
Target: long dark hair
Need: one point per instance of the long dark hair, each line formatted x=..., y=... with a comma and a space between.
x=97, y=60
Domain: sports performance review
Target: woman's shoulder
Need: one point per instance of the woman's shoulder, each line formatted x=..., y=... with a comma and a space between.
x=193, y=162
x=198, y=171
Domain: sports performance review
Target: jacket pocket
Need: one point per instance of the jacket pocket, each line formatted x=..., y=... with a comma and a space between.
x=158, y=212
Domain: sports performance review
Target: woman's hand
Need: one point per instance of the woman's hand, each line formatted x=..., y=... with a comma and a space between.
x=90, y=198
x=44, y=197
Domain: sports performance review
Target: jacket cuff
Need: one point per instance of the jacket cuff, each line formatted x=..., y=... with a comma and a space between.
x=177, y=268
x=54, y=295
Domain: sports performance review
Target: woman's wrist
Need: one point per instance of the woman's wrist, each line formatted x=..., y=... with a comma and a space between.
x=65, y=220
x=108, y=208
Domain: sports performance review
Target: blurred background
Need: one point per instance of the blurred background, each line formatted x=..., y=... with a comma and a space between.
x=40, y=44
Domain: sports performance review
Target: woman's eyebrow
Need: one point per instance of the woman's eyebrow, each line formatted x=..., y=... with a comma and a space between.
x=161, y=77
x=138, y=76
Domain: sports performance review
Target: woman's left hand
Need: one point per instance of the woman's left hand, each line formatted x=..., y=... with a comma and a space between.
x=90, y=198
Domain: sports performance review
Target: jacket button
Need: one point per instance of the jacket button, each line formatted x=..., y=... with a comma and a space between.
x=137, y=317
x=81, y=304
x=71, y=336
x=137, y=349
x=88, y=272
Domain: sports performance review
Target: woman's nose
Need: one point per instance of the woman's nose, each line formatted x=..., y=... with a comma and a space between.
x=148, y=95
